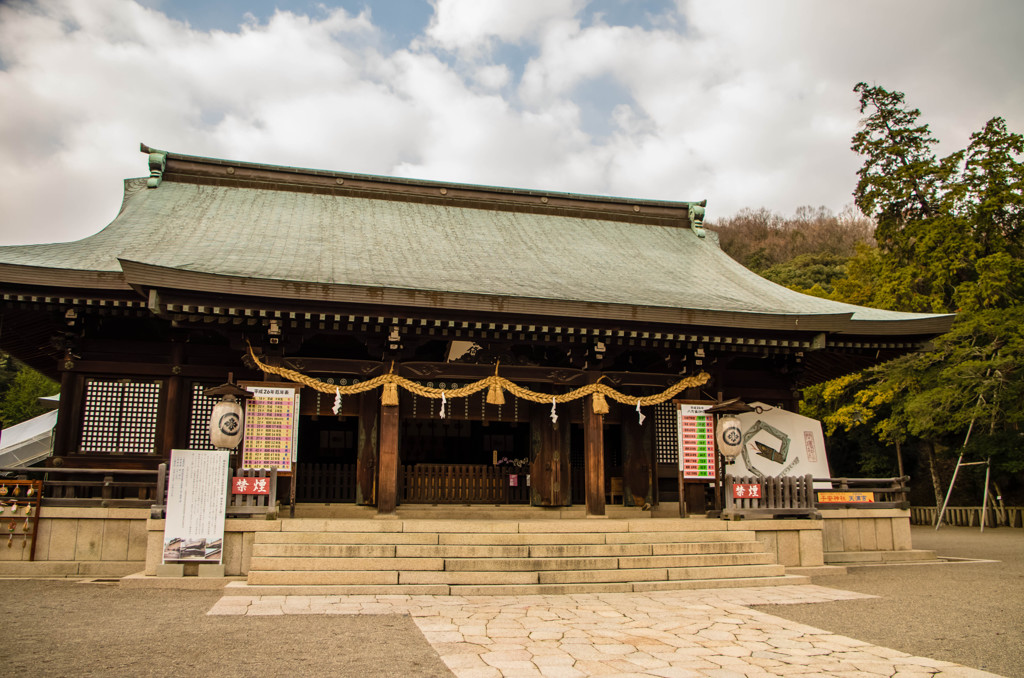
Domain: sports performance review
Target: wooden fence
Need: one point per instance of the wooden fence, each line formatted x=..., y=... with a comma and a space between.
x=969, y=516
x=238, y=505
x=776, y=497
x=883, y=492
x=94, y=487
x=460, y=484
x=325, y=483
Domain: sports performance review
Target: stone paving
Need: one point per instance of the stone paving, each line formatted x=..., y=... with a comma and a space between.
x=669, y=634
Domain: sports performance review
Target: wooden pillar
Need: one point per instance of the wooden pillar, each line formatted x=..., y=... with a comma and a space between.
x=68, y=414
x=367, y=451
x=387, y=483
x=171, y=425
x=593, y=457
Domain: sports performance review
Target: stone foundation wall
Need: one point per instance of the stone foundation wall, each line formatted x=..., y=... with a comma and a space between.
x=239, y=535
x=854, y=530
x=795, y=542
x=81, y=541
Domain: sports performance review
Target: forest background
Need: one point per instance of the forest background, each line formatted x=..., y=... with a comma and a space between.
x=925, y=234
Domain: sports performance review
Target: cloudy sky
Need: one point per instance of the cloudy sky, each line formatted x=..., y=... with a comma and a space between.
x=747, y=103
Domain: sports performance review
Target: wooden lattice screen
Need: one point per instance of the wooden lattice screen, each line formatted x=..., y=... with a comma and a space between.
x=201, y=407
x=666, y=434
x=120, y=417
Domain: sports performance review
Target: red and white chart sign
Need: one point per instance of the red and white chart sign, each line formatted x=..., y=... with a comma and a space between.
x=696, y=442
x=271, y=427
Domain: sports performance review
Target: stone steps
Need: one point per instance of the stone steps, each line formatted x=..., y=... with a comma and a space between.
x=505, y=557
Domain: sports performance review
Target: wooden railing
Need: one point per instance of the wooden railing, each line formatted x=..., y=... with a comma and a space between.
x=884, y=492
x=325, y=483
x=786, y=496
x=95, y=487
x=460, y=484
x=238, y=505
x=969, y=516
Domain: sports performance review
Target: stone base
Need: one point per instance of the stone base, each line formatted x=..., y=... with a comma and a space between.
x=170, y=570
x=141, y=580
x=819, y=571
x=852, y=558
x=69, y=568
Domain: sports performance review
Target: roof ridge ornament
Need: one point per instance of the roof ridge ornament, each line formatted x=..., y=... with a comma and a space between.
x=157, y=165
x=695, y=210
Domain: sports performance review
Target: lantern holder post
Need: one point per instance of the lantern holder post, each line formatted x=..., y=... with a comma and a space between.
x=728, y=436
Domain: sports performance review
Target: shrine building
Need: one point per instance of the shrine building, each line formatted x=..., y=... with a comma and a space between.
x=216, y=271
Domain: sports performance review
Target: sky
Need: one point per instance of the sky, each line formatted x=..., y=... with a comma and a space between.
x=745, y=103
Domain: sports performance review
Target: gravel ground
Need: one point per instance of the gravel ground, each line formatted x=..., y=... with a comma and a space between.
x=67, y=628
x=968, y=613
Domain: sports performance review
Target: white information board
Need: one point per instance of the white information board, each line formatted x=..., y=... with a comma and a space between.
x=778, y=442
x=197, y=487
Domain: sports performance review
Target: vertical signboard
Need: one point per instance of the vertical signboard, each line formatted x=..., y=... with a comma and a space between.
x=197, y=487
x=271, y=426
x=696, y=441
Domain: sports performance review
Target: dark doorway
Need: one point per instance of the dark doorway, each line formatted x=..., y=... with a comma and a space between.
x=326, y=466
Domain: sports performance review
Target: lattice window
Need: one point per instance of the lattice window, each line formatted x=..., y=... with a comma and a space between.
x=120, y=417
x=199, y=418
x=666, y=435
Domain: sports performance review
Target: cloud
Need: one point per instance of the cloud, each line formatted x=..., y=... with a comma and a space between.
x=470, y=25
x=741, y=102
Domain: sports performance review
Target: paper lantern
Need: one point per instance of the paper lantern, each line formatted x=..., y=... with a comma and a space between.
x=730, y=437
x=226, y=424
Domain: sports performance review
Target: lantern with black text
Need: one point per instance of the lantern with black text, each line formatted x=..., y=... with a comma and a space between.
x=227, y=418
x=730, y=437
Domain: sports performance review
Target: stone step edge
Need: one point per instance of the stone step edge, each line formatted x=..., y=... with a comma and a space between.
x=570, y=576
x=275, y=563
x=246, y=589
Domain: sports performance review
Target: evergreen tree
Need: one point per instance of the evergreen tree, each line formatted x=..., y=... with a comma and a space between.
x=949, y=239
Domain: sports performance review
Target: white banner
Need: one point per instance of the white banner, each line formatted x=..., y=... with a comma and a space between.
x=196, y=499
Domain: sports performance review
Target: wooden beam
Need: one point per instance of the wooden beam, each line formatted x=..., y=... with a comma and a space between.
x=593, y=461
x=387, y=483
x=367, y=451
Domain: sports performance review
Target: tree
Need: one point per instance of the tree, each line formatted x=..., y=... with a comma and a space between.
x=20, y=401
x=949, y=238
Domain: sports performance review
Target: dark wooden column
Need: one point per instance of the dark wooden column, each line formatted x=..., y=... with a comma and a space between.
x=68, y=414
x=593, y=456
x=367, y=451
x=172, y=424
x=387, y=483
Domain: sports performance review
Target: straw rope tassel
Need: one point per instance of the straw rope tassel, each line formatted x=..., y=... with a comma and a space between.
x=600, y=404
x=495, y=396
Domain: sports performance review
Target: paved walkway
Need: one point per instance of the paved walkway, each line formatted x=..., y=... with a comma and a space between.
x=669, y=634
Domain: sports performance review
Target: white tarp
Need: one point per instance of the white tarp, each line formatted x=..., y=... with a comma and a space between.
x=777, y=442
x=29, y=442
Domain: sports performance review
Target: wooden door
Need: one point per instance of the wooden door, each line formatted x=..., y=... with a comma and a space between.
x=549, y=459
x=637, y=454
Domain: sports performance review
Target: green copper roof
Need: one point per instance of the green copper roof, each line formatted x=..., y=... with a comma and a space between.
x=254, y=232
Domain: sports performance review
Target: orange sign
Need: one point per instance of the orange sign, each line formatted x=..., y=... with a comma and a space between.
x=846, y=497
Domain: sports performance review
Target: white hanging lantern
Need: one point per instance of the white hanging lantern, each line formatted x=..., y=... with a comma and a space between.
x=227, y=419
x=730, y=437
x=226, y=423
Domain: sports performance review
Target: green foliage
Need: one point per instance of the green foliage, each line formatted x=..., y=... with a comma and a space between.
x=20, y=398
x=949, y=238
x=809, y=273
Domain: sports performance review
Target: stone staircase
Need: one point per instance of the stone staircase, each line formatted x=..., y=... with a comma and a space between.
x=505, y=557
